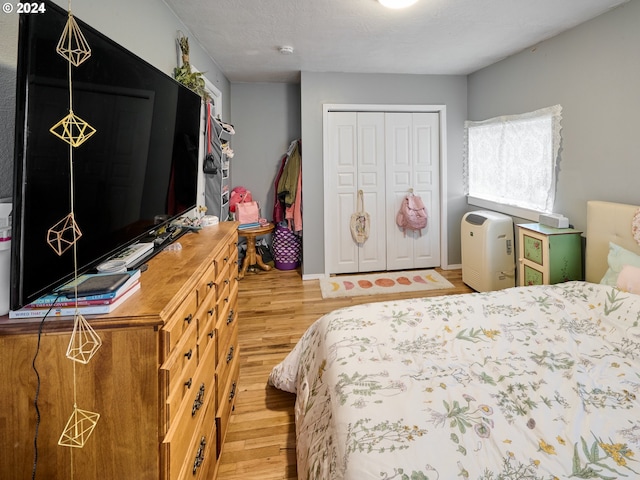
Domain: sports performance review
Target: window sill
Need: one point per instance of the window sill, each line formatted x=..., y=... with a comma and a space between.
x=519, y=212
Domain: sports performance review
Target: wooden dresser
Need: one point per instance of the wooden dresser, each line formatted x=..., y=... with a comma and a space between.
x=163, y=381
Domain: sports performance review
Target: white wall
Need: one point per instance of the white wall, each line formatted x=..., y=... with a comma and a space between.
x=593, y=71
x=148, y=28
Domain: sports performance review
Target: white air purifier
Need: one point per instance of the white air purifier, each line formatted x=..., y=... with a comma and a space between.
x=488, y=260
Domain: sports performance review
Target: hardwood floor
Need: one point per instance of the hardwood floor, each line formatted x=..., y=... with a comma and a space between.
x=274, y=309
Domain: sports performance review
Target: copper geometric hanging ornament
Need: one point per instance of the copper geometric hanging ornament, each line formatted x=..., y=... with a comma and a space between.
x=73, y=130
x=64, y=234
x=72, y=44
x=84, y=342
x=78, y=428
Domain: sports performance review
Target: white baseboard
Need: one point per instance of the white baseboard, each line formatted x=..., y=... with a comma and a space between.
x=313, y=276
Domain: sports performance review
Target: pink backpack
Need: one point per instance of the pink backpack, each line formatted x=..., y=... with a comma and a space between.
x=412, y=214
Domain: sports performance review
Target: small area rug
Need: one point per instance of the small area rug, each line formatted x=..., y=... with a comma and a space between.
x=384, y=282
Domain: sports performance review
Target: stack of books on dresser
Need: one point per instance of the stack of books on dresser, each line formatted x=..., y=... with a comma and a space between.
x=88, y=294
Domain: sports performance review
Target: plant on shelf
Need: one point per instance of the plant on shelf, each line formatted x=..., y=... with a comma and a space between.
x=184, y=74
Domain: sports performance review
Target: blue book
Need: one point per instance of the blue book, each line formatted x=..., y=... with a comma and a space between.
x=244, y=226
x=59, y=297
x=70, y=311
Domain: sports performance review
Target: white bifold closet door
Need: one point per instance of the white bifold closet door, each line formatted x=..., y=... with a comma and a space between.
x=386, y=155
x=357, y=163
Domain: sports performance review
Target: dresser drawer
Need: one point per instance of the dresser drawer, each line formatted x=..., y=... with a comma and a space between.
x=180, y=322
x=227, y=403
x=186, y=425
x=226, y=318
x=207, y=337
x=202, y=453
x=227, y=355
x=179, y=370
x=208, y=282
x=223, y=284
x=224, y=260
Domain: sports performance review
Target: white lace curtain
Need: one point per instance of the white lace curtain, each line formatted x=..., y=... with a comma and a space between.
x=512, y=159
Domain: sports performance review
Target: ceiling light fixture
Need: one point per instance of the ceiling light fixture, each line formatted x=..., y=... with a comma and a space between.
x=397, y=3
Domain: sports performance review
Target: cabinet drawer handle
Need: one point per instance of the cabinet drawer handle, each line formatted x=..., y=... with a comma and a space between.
x=230, y=317
x=211, y=311
x=189, y=354
x=210, y=284
x=188, y=383
x=226, y=281
x=233, y=391
x=230, y=354
x=188, y=319
x=199, y=455
x=198, y=401
x=210, y=334
x=226, y=259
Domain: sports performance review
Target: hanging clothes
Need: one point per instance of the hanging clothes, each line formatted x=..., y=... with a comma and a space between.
x=278, y=209
x=288, y=187
x=289, y=180
x=294, y=212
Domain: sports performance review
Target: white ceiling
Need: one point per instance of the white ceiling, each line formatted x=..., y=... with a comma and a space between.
x=441, y=37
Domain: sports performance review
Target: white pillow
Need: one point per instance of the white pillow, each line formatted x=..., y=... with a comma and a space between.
x=618, y=257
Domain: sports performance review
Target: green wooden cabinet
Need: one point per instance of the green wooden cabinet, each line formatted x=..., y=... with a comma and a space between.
x=548, y=255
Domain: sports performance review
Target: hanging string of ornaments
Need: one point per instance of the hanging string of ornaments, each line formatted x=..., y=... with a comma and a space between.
x=64, y=235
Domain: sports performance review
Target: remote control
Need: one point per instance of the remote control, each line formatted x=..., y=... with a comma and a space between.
x=132, y=253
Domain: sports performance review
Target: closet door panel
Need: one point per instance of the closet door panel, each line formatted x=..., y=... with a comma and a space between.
x=413, y=156
x=371, y=180
x=342, y=180
x=400, y=180
x=426, y=165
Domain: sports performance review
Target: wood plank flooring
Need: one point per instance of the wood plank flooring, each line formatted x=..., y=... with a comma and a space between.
x=274, y=310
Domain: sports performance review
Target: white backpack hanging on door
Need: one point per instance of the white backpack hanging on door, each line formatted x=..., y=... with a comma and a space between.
x=412, y=214
x=360, y=221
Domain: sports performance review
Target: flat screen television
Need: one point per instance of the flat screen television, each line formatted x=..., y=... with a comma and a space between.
x=141, y=162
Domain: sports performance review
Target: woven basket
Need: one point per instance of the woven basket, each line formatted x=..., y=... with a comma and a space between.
x=287, y=249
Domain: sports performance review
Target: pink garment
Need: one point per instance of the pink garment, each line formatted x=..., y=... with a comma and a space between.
x=293, y=213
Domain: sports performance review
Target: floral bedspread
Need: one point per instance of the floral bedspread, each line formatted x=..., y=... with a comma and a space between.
x=525, y=383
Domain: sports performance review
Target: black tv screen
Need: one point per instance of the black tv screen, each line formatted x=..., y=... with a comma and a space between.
x=140, y=163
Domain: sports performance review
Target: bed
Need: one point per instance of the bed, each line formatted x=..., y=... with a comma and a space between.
x=525, y=383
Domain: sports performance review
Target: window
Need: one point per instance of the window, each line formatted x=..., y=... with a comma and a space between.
x=510, y=162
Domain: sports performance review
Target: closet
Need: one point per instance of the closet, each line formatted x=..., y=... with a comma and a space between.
x=386, y=155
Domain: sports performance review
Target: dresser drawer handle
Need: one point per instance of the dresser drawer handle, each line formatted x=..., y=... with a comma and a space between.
x=226, y=259
x=210, y=284
x=188, y=383
x=230, y=354
x=230, y=317
x=227, y=281
x=198, y=401
x=188, y=319
x=199, y=455
x=211, y=311
x=210, y=334
x=189, y=354
x=233, y=391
